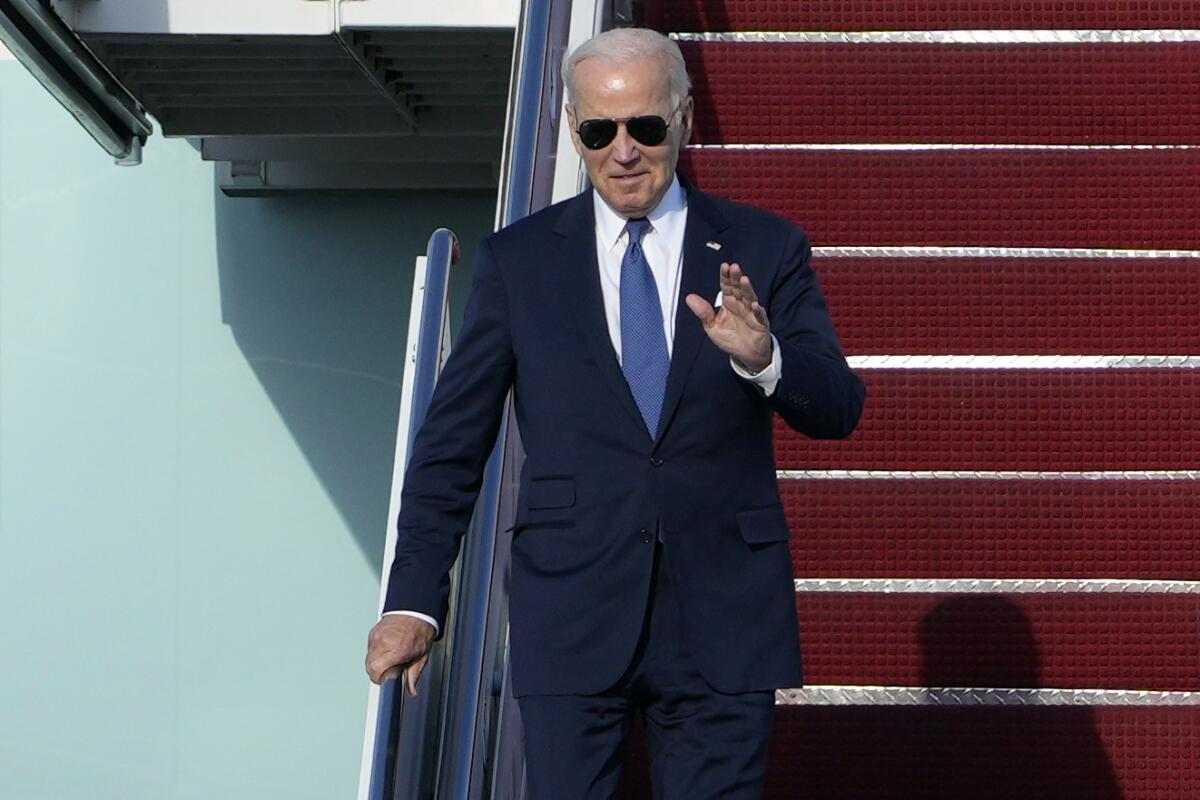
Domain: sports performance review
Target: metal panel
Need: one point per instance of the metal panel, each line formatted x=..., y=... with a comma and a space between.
x=482, y=148
x=285, y=176
x=203, y=17
x=445, y=13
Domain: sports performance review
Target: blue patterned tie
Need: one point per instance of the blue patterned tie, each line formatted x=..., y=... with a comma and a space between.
x=644, y=357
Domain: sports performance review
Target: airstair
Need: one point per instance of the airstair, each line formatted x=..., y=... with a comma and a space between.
x=998, y=575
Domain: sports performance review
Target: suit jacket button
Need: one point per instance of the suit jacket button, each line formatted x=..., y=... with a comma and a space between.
x=644, y=535
x=656, y=461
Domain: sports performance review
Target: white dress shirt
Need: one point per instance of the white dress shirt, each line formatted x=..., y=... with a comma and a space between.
x=662, y=245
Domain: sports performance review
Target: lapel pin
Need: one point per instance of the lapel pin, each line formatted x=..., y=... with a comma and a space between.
x=713, y=245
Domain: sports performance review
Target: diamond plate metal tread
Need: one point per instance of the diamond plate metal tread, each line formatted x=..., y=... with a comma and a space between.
x=836, y=15
x=1060, y=361
x=941, y=251
x=973, y=37
x=1013, y=305
x=1073, y=419
x=977, y=586
x=1002, y=529
x=977, y=753
x=1021, y=198
x=825, y=695
x=930, y=93
x=1067, y=641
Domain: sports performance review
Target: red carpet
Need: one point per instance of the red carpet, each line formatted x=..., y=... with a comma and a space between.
x=1142, y=199
x=1063, y=641
x=1014, y=305
x=1048, y=420
x=1017, y=94
x=1000, y=529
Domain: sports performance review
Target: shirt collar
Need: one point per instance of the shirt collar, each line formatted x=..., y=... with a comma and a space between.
x=664, y=218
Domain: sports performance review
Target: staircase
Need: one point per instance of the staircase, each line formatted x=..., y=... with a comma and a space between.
x=998, y=575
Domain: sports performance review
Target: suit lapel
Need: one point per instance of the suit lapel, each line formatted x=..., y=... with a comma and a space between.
x=580, y=276
x=702, y=276
x=580, y=273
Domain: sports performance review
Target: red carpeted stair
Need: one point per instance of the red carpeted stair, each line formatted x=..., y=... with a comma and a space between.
x=1001, y=529
x=1143, y=641
x=1025, y=306
x=1009, y=550
x=984, y=198
x=861, y=15
x=1012, y=93
x=1037, y=419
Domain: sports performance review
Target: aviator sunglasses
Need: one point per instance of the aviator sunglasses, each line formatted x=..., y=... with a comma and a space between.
x=649, y=130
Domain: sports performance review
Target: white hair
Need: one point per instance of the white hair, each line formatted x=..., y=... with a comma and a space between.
x=631, y=44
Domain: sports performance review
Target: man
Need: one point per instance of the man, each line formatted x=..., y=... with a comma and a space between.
x=650, y=560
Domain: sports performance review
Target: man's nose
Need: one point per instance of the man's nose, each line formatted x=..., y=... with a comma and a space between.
x=624, y=147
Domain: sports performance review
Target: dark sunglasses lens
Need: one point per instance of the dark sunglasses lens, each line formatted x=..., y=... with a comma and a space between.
x=649, y=130
x=596, y=133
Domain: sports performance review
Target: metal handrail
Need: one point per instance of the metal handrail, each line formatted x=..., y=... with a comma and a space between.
x=401, y=764
x=474, y=698
x=406, y=738
x=527, y=165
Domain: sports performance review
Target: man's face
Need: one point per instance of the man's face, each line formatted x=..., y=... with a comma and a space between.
x=631, y=177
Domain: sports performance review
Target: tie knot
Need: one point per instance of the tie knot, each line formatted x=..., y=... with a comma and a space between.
x=637, y=228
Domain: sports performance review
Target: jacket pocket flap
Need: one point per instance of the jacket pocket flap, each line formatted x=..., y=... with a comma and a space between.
x=763, y=525
x=551, y=493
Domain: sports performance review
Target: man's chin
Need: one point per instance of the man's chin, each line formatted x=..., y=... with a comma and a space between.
x=631, y=202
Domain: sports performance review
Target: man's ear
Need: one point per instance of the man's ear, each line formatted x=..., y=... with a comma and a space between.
x=572, y=125
x=685, y=115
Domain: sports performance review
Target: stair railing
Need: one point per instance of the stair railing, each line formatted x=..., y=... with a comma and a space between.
x=473, y=761
x=400, y=762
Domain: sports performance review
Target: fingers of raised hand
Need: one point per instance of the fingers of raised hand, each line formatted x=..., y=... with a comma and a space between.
x=736, y=285
x=739, y=297
x=731, y=275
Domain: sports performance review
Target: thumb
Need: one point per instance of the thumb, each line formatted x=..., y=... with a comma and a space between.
x=701, y=308
x=414, y=672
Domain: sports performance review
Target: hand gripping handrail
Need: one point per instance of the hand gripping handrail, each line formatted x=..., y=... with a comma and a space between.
x=401, y=763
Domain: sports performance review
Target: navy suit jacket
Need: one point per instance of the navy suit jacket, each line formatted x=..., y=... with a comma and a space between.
x=595, y=485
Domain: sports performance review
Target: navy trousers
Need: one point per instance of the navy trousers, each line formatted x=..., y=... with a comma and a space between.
x=704, y=745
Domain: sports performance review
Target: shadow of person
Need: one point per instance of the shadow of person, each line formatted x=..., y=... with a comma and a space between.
x=948, y=751
x=987, y=641
x=316, y=292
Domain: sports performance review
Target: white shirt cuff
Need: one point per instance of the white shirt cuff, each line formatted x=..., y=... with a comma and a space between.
x=768, y=378
x=436, y=628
